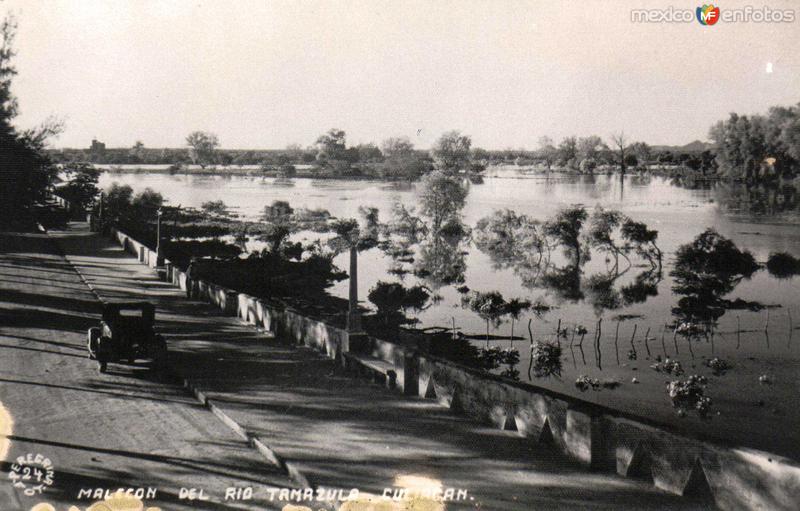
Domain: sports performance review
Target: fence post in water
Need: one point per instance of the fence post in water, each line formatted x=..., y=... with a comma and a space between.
x=647, y=347
x=675, y=338
x=597, y=355
x=558, y=332
x=530, y=331
x=738, y=331
x=633, y=336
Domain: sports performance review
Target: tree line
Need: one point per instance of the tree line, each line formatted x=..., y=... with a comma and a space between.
x=25, y=171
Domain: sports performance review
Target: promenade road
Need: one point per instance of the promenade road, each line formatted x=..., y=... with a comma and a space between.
x=337, y=431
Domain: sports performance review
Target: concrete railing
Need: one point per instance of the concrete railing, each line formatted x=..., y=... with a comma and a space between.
x=276, y=318
x=594, y=436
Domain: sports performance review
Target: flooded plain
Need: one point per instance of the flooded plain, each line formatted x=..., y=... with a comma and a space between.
x=637, y=310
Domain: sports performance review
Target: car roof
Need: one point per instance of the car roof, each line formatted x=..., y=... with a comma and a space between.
x=127, y=305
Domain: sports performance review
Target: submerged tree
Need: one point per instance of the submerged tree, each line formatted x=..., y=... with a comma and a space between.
x=621, y=145
x=451, y=151
x=514, y=308
x=442, y=198
x=490, y=306
x=643, y=241
x=565, y=229
x=705, y=270
x=603, y=225
x=393, y=300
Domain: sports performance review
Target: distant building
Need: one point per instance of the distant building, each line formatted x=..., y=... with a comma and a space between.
x=97, y=147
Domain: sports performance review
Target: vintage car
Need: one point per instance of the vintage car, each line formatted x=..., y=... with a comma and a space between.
x=126, y=334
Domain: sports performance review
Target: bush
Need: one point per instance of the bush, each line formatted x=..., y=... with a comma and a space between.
x=545, y=359
x=783, y=265
x=181, y=252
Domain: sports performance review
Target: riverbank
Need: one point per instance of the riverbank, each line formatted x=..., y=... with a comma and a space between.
x=357, y=173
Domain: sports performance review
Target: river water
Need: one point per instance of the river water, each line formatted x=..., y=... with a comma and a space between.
x=744, y=410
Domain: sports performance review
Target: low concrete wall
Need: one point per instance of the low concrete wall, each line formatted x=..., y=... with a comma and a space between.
x=602, y=439
x=594, y=436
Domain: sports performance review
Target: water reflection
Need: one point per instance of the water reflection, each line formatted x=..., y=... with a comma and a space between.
x=527, y=247
x=772, y=199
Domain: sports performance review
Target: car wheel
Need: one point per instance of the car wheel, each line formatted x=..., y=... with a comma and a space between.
x=92, y=336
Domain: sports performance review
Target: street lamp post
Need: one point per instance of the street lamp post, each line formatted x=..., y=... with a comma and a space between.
x=353, y=315
x=159, y=257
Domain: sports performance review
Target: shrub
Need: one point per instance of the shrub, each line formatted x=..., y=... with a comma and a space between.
x=783, y=265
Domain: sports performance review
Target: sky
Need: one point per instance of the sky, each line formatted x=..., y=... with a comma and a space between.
x=265, y=74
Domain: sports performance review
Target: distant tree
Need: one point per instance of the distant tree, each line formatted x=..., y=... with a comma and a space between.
x=588, y=165
x=224, y=157
x=642, y=151
x=332, y=145
x=480, y=155
x=568, y=152
x=403, y=168
x=288, y=170
x=620, y=144
x=451, y=151
x=589, y=148
x=202, y=147
x=216, y=208
x=547, y=152
x=294, y=151
x=397, y=147
x=136, y=152
x=665, y=157
x=243, y=158
x=787, y=120
x=368, y=153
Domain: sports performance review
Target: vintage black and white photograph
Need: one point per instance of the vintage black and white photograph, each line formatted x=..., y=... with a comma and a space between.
x=399, y=255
